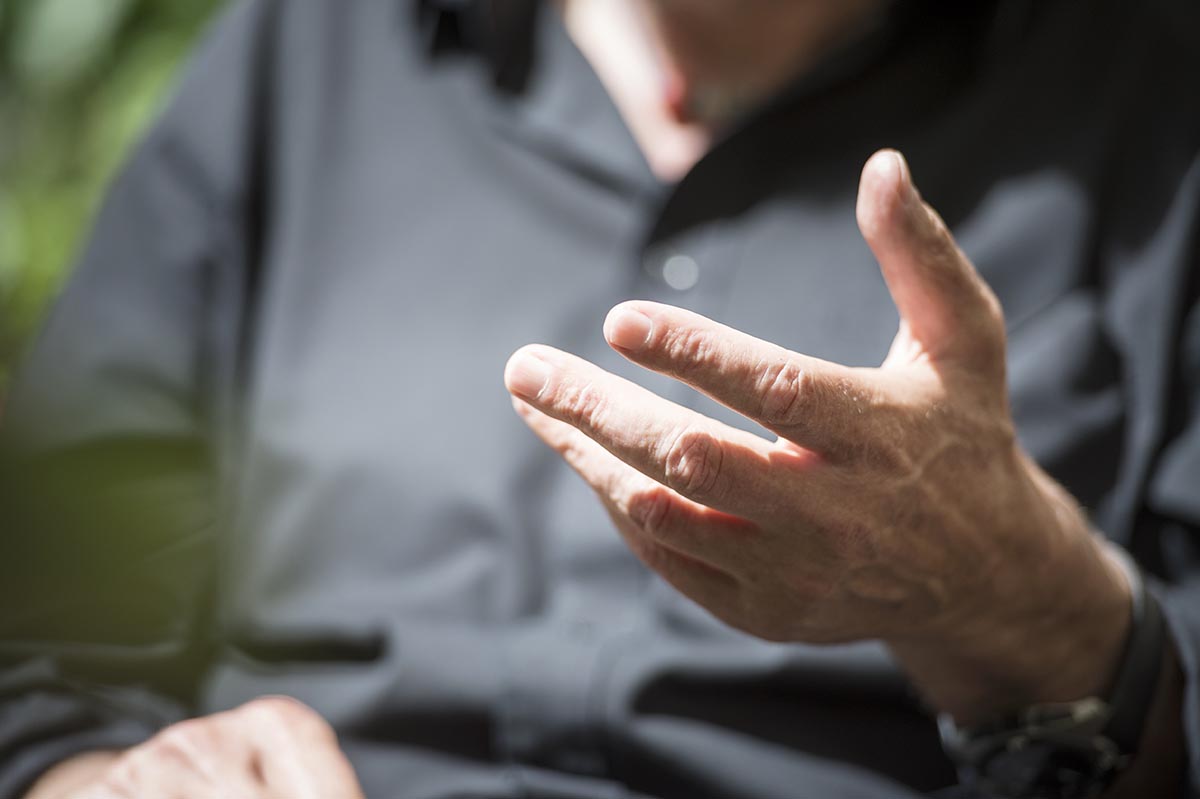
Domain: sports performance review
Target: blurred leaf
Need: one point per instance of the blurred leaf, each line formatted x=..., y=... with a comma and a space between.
x=79, y=80
x=12, y=245
x=60, y=39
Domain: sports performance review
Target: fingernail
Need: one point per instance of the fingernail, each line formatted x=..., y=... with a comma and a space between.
x=903, y=176
x=628, y=329
x=526, y=376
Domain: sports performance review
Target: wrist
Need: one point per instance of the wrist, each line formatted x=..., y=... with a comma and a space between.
x=1078, y=749
x=1049, y=630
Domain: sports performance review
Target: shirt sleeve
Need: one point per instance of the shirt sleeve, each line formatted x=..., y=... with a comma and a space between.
x=112, y=438
x=1172, y=515
x=1165, y=530
x=1152, y=273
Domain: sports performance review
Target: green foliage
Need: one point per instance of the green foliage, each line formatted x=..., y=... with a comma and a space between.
x=79, y=79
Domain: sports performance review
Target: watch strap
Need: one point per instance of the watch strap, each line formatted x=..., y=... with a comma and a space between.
x=1072, y=749
x=1133, y=690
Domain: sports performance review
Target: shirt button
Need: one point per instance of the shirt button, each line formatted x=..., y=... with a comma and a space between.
x=681, y=272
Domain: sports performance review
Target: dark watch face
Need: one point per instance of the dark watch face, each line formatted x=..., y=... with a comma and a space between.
x=1051, y=769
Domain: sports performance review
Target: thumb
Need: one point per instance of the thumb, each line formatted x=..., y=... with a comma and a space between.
x=948, y=309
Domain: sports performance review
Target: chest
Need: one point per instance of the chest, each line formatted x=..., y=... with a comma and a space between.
x=385, y=470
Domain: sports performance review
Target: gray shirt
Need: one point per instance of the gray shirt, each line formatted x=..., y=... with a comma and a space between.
x=263, y=445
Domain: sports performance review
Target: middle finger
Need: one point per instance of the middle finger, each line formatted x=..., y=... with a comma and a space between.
x=721, y=467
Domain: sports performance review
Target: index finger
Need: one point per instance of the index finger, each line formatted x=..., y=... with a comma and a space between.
x=814, y=403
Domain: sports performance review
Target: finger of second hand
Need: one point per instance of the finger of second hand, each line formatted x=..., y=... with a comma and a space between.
x=651, y=516
x=715, y=465
x=298, y=761
x=147, y=771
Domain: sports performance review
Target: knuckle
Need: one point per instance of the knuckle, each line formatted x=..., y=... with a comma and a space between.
x=289, y=713
x=651, y=511
x=689, y=346
x=783, y=390
x=180, y=739
x=176, y=746
x=695, y=465
x=584, y=405
x=270, y=708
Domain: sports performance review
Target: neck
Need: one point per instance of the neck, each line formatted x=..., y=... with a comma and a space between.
x=681, y=70
x=720, y=57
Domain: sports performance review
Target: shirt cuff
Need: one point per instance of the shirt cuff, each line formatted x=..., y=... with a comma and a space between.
x=42, y=729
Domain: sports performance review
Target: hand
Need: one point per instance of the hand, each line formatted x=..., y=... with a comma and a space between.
x=272, y=748
x=896, y=502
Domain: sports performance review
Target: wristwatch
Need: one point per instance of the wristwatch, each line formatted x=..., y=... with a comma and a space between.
x=1070, y=750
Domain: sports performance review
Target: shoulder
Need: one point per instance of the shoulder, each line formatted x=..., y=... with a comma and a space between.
x=271, y=73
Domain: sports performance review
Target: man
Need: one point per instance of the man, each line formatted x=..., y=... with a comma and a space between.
x=263, y=447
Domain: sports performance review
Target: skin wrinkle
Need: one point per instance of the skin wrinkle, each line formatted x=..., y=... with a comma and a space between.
x=695, y=466
x=667, y=451
x=583, y=403
x=684, y=346
x=843, y=438
x=780, y=387
x=650, y=510
x=675, y=539
x=682, y=570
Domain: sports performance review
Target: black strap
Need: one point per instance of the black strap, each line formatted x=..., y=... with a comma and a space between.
x=1071, y=750
x=1133, y=691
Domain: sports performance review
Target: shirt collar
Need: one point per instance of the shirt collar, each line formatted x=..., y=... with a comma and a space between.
x=549, y=98
x=546, y=97
x=500, y=31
